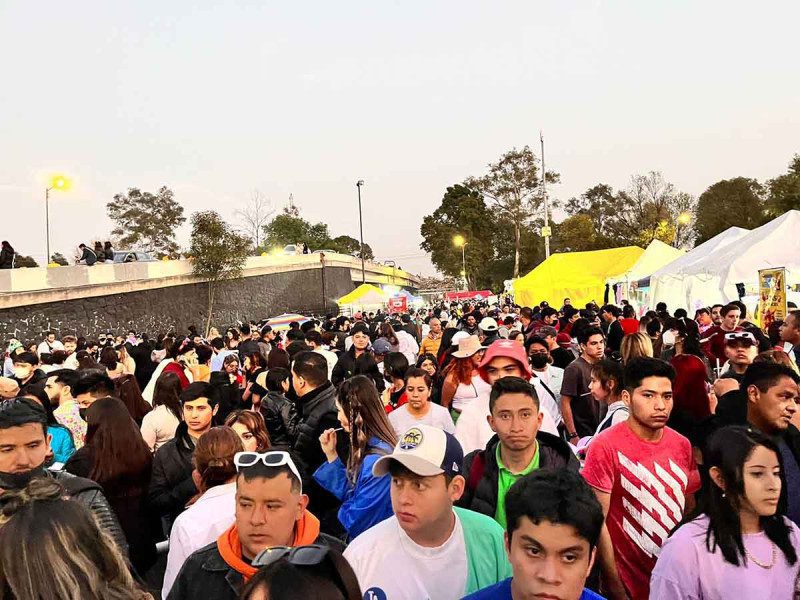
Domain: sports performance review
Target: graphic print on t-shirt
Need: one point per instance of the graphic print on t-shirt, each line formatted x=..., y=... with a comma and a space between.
x=648, y=491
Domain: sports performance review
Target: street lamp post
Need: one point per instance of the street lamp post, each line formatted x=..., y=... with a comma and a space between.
x=359, y=183
x=460, y=242
x=546, y=228
x=56, y=183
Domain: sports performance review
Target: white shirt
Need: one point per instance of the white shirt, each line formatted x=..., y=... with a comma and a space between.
x=617, y=413
x=197, y=526
x=473, y=431
x=330, y=358
x=44, y=348
x=407, y=345
x=158, y=427
x=552, y=377
x=438, y=416
x=465, y=394
x=389, y=565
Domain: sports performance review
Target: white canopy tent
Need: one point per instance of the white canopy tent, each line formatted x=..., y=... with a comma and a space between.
x=709, y=273
x=656, y=255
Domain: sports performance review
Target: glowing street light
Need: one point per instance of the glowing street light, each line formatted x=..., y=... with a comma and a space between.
x=62, y=184
x=459, y=241
x=684, y=218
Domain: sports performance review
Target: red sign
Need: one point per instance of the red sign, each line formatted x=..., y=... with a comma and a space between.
x=470, y=295
x=398, y=305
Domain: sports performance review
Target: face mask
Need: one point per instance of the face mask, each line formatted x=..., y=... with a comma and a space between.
x=17, y=481
x=539, y=361
x=668, y=338
x=22, y=373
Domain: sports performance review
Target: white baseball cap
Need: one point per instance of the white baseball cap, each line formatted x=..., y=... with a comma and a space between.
x=425, y=451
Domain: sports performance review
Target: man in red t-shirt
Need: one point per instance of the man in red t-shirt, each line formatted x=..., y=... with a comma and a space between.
x=713, y=340
x=644, y=476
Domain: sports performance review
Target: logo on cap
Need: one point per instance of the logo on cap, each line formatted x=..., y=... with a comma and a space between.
x=411, y=439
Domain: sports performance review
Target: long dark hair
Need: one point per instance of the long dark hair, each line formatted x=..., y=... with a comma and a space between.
x=386, y=331
x=167, y=393
x=366, y=365
x=121, y=456
x=109, y=358
x=728, y=450
x=364, y=409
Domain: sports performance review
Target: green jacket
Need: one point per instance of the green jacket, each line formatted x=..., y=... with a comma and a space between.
x=487, y=563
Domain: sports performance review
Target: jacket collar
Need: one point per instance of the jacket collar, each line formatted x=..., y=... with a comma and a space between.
x=316, y=397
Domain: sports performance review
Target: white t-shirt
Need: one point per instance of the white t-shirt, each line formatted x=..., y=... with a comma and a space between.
x=47, y=348
x=390, y=566
x=438, y=416
x=467, y=393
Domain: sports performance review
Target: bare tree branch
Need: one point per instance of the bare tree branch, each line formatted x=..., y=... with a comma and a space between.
x=254, y=215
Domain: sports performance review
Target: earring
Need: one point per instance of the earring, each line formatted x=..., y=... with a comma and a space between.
x=723, y=494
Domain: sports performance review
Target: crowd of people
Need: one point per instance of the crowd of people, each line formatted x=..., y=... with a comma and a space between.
x=457, y=451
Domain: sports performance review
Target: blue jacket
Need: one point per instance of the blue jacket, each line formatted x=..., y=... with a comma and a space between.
x=366, y=503
x=62, y=444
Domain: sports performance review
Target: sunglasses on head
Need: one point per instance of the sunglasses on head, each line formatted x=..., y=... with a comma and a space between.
x=276, y=458
x=301, y=556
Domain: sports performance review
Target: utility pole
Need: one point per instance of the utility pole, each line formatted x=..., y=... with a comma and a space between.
x=546, y=229
x=361, y=231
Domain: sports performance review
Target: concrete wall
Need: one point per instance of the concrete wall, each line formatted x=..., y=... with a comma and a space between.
x=176, y=306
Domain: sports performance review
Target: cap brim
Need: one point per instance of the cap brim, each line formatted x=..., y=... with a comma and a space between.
x=415, y=464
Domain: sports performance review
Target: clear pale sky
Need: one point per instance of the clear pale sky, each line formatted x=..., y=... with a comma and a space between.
x=215, y=99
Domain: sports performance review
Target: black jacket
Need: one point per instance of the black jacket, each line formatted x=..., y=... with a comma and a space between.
x=171, y=485
x=90, y=494
x=206, y=575
x=345, y=367
x=480, y=493
x=281, y=419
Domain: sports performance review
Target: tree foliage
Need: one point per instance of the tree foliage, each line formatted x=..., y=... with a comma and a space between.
x=20, y=260
x=146, y=221
x=513, y=186
x=784, y=191
x=731, y=202
x=345, y=244
x=650, y=209
x=289, y=228
x=463, y=211
x=218, y=252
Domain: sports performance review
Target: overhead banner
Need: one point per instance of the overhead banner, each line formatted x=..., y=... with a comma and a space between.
x=772, y=296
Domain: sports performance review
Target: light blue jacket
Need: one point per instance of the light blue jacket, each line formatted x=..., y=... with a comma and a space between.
x=366, y=503
x=61, y=443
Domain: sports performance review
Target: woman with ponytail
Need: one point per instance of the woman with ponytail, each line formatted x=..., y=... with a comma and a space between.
x=365, y=498
x=212, y=511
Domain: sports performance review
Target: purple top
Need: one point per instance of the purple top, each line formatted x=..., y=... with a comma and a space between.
x=686, y=570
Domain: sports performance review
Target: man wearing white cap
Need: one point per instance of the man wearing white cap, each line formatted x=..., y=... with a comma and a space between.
x=429, y=549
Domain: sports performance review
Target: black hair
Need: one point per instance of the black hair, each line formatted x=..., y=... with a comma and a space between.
x=681, y=313
x=653, y=327
x=26, y=357
x=549, y=311
x=585, y=334
x=94, y=383
x=259, y=469
x=418, y=372
x=628, y=312
x=314, y=336
x=765, y=375
x=312, y=367
x=295, y=335
x=217, y=343
x=66, y=377
x=728, y=308
x=727, y=450
x=613, y=310
x=366, y=365
x=536, y=340
x=19, y=411
x=275, y=377
x=561, y=497
x=265, y=330
x=395, y=365
x=359, y=327
x=245, y=329
x=639, y=369
x=197, y=390
x=661, y=307
x=430, y=357
x=512, y=385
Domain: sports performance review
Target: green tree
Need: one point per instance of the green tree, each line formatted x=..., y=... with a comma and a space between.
x=514, y=187
x=290, y=228
x=349, y=245
x=462, y=212
x=738, y=202
x=218, y=253
x=784, y=191
x=578, y=233
x=59, y=259
x=146, y=221
x=531, y=249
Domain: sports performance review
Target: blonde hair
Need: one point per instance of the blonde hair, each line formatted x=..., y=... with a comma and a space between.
x=65, y=554
x=636, y=345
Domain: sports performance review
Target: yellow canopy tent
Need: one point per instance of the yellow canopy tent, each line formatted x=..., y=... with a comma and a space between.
x=579, y=276
x=365, y=295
